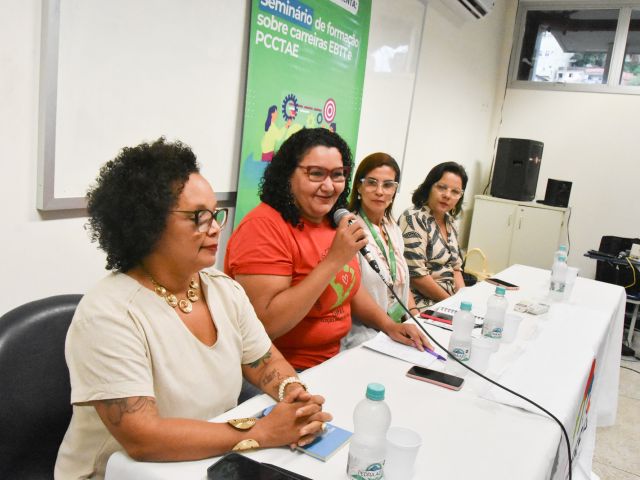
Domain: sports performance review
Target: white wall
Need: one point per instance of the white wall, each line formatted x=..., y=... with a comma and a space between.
x=460, y=84
x=461, y=69
x=41, y=254
x=591, y=140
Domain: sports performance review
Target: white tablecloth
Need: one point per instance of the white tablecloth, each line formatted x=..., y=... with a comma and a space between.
x=473, y=433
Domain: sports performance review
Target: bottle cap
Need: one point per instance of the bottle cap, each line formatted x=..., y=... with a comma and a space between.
x=562, y=258
x=562, y=248
x=500, y=291
x=375, y=391
x=466, y=306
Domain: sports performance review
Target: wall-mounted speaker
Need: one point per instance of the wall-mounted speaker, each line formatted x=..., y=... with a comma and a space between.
x=516, y=169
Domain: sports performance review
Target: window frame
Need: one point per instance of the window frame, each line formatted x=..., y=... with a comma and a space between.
x=617, y=54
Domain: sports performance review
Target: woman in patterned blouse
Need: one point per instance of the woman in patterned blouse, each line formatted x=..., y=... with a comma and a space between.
x=430, y=236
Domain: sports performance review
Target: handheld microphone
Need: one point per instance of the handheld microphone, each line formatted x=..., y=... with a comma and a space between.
x=364, y=251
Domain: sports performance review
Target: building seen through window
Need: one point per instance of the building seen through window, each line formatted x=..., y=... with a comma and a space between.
x=568, y=46
x=631, y=66
x=593, y=48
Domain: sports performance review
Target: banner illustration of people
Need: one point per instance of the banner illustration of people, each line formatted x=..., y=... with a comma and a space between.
x=306, y=70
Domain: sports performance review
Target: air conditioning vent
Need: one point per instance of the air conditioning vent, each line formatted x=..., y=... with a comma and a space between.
x=476, y=8
x=470, y=9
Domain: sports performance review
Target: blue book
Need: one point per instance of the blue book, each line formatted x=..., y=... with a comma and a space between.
x=325, y=445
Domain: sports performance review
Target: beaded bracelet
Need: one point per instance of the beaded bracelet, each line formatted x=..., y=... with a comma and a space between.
x=286, y=382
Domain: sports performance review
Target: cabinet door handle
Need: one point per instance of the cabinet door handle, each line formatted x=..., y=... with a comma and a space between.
x=508, y=220
x=520, y=223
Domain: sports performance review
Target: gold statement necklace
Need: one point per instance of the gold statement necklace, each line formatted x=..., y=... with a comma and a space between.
x=184, y=304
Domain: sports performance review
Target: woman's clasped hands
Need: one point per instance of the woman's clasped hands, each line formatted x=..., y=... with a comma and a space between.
x=296, y=421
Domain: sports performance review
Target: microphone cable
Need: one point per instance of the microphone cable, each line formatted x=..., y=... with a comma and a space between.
x=451, y=356
x=365, y=253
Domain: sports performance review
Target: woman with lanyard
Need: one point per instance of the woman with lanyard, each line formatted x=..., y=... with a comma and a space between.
x=375, y=186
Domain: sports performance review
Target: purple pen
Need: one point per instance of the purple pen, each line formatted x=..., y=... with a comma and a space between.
x=435, y=354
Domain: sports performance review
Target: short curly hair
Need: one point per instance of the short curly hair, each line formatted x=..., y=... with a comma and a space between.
x=421, y=194
x=275, y=187
x=130, y=201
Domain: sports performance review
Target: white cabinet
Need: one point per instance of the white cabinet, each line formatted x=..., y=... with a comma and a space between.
x=511, y=232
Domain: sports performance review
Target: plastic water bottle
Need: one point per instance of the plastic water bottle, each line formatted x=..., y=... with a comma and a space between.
x=558, y=277
x=562, y=251
x=460, y=341
x=494, y=318
x=371, y=419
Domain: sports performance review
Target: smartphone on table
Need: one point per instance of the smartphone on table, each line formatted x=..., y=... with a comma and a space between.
x=234, y=466
x=502, y=283
x=437, y=378
x=438, y=316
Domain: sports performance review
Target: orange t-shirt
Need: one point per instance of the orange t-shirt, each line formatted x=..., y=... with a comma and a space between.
x=264, y=244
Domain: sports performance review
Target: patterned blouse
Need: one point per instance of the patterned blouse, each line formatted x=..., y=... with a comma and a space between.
x=427, y=252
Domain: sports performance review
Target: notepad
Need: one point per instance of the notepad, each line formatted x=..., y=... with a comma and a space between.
x=325, y=445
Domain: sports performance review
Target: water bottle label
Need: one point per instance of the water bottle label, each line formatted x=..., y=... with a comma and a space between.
x=557, y=286
x=460, y=353
x=360, y=469
x=494, y=333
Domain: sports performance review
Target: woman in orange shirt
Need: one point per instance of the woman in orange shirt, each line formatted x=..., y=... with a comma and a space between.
x=297, y=266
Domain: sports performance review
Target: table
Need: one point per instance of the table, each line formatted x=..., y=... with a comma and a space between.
x=472, y=433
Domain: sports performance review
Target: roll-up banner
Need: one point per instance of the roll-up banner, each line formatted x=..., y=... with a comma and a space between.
x=306, y=70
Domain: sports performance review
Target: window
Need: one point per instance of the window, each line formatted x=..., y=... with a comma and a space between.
x=631, y=66
x=593, y=48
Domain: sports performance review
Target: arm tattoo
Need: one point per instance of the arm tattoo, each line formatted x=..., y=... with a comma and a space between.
x=263, y=359
x=118, y=407
x=270, y=376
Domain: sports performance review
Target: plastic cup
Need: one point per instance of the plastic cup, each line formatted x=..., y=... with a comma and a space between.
x=481, y=350
x=572, y=274
x=511, y=326
x=402, y=449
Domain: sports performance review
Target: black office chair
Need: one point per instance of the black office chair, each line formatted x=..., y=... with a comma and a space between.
x=34, y=386
x=618, y=274
x=625, y=275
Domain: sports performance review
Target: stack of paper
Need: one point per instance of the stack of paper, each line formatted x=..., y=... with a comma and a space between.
x=383, y=344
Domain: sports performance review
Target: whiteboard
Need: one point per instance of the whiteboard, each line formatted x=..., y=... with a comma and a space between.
x=119, y=72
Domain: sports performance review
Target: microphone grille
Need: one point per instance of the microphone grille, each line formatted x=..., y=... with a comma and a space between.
x=338, y=214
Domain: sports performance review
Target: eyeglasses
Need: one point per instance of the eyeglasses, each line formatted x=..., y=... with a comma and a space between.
x=454, y=192
x=371, y=184
x=204, y=218
x=320, y=174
